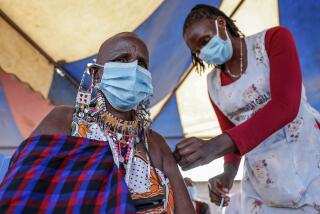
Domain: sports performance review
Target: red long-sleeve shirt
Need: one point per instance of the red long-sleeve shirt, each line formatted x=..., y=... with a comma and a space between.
x=285, y=89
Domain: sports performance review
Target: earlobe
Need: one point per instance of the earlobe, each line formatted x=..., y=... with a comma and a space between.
x=221, y=22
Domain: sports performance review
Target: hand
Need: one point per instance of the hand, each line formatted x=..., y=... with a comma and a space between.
x=193, y=152
x=219, y=187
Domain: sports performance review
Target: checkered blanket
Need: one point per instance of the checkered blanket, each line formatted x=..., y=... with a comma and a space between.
x=63, y=174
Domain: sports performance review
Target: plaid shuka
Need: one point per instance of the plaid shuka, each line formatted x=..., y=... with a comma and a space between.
x=64, y=174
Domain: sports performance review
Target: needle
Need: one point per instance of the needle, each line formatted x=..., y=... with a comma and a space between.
x=222, y=200
x=221, y=205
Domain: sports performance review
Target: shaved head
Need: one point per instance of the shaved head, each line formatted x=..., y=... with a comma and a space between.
x=123, y=43
x=123, y=47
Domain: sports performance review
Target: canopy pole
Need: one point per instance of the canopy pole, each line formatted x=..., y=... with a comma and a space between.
x=236, y=8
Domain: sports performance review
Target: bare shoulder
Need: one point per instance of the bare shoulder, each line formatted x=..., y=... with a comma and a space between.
x=167, y=158
x=182, y=203
x=160, y=142
x=58, y=121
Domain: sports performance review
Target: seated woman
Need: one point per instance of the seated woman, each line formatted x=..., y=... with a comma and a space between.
x=110, y=129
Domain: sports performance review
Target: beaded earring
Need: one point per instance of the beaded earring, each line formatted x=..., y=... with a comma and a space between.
x=84, y=96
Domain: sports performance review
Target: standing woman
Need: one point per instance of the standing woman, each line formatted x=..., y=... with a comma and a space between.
x=257, y=93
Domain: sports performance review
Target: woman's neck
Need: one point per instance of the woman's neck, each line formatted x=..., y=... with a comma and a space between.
x=234, y=64
x=128, y=115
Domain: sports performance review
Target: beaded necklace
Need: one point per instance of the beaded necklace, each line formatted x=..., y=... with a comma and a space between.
x=121, y=135
x=96, y=122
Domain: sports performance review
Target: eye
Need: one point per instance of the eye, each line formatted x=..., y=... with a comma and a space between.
x=142, y=64
x=204, y=40
x=123, y=60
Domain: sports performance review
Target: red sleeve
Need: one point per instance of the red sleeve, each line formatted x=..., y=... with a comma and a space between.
x=285, y=89
x=225, y=124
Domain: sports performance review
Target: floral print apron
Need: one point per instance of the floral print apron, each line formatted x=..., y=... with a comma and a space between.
x=282, y=174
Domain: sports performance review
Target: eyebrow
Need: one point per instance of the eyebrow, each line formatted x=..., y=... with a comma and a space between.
x=119, y=52
x=122, y=51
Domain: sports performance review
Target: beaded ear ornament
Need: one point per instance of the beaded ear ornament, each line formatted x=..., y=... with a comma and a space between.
x=84, y=97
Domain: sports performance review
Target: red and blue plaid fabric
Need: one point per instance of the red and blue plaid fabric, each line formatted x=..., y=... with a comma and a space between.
x=63, y=174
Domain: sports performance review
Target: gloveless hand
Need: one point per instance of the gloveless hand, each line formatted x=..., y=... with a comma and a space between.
x=193, y=152
x=220, y=185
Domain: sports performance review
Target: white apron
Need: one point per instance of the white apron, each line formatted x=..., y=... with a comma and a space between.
x=282, y=174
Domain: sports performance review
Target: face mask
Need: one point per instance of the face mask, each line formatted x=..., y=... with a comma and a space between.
x=125, y=85
x=193, y=192
x=217, y=51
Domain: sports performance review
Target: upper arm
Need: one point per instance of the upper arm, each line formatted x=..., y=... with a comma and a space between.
x=58, y=121
x=182, y=201
x=285, y=89
x=285, y=72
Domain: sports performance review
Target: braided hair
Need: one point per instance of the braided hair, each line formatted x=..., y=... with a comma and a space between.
x=203, y=11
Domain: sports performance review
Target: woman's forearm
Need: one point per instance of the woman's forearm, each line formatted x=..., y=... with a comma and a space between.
x=231, y=169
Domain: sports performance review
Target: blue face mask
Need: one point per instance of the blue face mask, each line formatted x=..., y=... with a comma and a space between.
x=217, y=51
x=125, y=85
